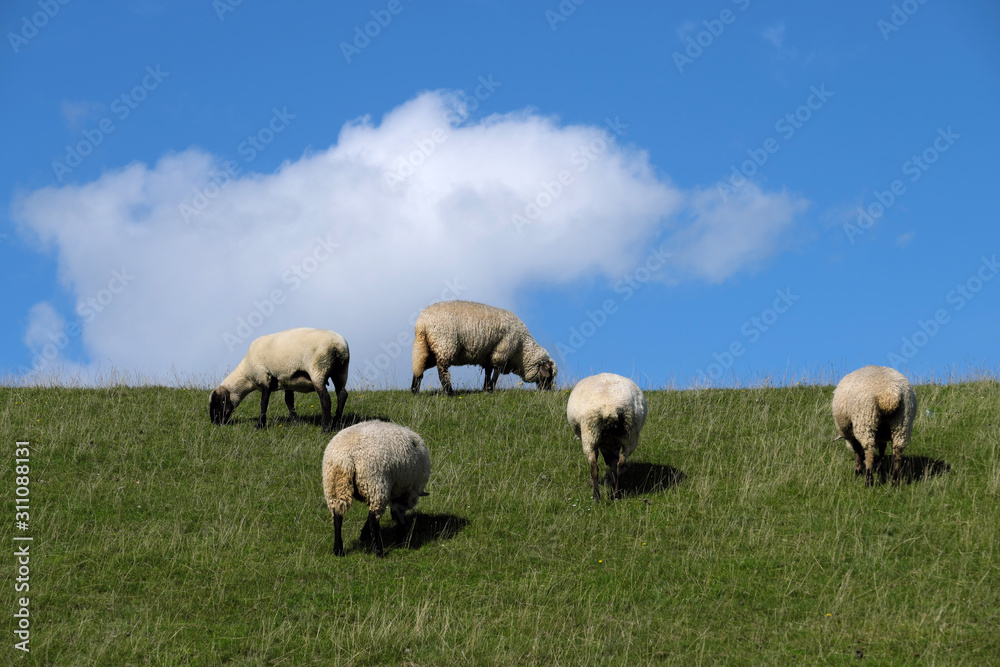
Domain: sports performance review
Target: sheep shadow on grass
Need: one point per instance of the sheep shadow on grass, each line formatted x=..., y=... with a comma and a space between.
x=346, y=419
x=912, y=468
x=417, y=530
x=639, y=478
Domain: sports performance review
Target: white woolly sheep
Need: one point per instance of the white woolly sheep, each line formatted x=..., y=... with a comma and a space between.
x=607, y=412
x=378, y=463
x=872, y=406
x=294, y=360
x=459, y=333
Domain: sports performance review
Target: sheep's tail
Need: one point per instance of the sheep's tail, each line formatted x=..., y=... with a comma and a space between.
x=887, y=399
x=338, y=486
x=423, y=357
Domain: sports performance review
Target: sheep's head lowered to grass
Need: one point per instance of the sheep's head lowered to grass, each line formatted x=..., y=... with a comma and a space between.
x=543, y=374
x=220, y=406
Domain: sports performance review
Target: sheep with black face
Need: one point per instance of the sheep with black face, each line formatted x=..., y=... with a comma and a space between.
x=296, y=360
x=384, y=465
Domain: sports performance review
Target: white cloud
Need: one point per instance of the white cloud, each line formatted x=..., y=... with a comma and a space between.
x=727, y=236
x=43, y=319
x=344, y=246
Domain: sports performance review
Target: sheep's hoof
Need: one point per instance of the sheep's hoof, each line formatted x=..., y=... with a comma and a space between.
x=261, y=426
x=338, y=552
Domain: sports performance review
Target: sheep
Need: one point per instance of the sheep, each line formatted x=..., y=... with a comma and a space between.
x=607, y=412
x=872, y=406
x=458, y=333
x=294, y=360
x=378, y=463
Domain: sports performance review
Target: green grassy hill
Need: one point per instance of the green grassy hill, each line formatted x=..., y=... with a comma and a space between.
x=744, y=538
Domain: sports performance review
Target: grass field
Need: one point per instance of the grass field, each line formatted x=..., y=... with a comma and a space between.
x=744, y=537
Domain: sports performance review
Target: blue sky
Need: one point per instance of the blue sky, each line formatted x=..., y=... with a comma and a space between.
x=676, y=193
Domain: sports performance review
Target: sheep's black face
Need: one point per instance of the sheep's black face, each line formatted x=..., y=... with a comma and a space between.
x=220, y=406
x=546, y=374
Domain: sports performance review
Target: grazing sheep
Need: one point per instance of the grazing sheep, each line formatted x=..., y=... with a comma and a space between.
x=459, y=333
x=294, y=360
x=607, y=412
x=378, y=463
x=872, y=406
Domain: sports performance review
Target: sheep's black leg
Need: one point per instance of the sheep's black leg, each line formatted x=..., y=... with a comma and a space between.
x=338, y=541
x=265, y=396
x=415, y=385
x=290, y=403
x=486, y=379
x=496, y=376
x=325, y=405
x=445, y=378
x=341, y=402
x=376, y=532
x=594, y=472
